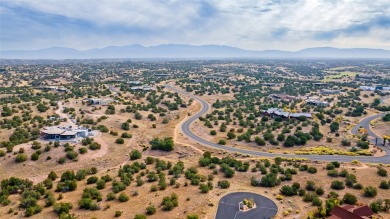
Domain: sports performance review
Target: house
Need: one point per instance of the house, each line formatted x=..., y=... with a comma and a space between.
x=135, y=82
x=143, y=88
x=98, y=101
x=270, y=84
x=373, y=88
x=317, y=103
x=327, y=91
x=281, y=97
x=64, y=133
x=62, y=89
x=272, y=112
x=351, y=212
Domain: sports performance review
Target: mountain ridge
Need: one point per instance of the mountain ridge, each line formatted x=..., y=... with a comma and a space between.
x=189, y=51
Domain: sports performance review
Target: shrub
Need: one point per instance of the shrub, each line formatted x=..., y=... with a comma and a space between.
x=62, y=207
x=169, y=202
x=224, y=184
x=319, y=191
x=311, y=186
x=94, y=146
x=119, y=141
x=139, y=216
x=123, y=197
x=20, y=158
x=34, y=156
x=316, y=201
x=222, y=142
x=333, y=173
x=83, y=150
x=110, y=196
x=204, y=188
x=349, y=199
x=165, y=144
x=192, y=216
x=337, y=185
x=381, y=171
x=135, y=154
x=370, y=191
x=384, y=184
x=151, y=209
x=92, y=179
x=118, y=213
x=312, y=170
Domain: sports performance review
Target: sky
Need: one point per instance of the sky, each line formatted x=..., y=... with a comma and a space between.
x=249, y=24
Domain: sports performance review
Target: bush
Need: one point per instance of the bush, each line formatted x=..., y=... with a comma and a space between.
x=349, y=199
x=126, y=135
x=337, y=185
x=34, y=156
x=94, y=146
x=204, y=188
x=165, y=144
x=316, y=201
x=345, y=142
x=139, y=216
x=222, y=142
x=151, y=209
x=62, y=207
x=370, y=191
x=312, y=170
x=288, y=190
x=123, y=197
x=120, y=141
x=20, y=158
x=319, y=191
x=110, y=196
x=135, y=154
x=169, y=202
x=118, y=213
x=83, y=150
x=192, y=216
x=381, y=171
x=92, y=179
x=384, y=184
x=224, y=184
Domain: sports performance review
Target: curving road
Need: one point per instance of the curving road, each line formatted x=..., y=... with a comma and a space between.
x=365, y=123
x=185, y=128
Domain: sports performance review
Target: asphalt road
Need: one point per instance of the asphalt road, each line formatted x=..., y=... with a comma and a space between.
x=228, y=207
x=185, y=128
x=365, y=123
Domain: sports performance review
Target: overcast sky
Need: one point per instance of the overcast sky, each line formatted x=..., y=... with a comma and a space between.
x=247, y=24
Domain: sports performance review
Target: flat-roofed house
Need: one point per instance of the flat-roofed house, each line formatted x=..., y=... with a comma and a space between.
x=63, y=133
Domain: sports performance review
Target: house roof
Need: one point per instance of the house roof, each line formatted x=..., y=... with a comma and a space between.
x=363, y=211
x=69, y=133
x=351, y=212
x=53, y=131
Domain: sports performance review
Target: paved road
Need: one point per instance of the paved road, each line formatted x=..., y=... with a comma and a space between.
x=228, y=206
x=185, y=128
x=365, y=123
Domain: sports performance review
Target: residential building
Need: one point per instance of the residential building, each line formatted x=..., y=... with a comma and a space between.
x=280, y=112
x=317, y=103
x=327, y=91
x=98, y=101
x=351, y=212
x=64, y=133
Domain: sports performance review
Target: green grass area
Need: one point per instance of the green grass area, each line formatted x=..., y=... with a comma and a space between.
x=339, y=76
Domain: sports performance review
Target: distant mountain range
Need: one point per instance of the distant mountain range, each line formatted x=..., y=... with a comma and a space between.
x=188, y=51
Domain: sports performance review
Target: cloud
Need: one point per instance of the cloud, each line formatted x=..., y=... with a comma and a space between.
x=269, y=24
